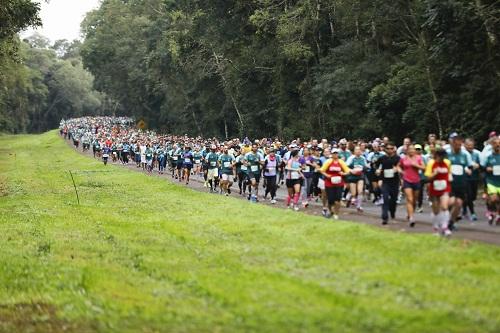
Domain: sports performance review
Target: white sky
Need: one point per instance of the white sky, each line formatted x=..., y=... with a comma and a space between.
x=61, y=18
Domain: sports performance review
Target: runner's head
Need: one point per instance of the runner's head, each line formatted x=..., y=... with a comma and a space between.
x=469, y=144
x=410, y=151
x=495, y=144
x=255, y=147
x=357, y=151
x=418, y=149
x=334, y=153
x=390, y=149
x=439, y=154
x=456, y=141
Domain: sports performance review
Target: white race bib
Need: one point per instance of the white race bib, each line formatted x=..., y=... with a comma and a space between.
x=388, y=173
x=187, y=160
x=244, y=168
x=439, y=185
x=307, y=169
x=457, y=170
x=336, y=180
x=105, y=155
x=294, y=175
x=213, y=163
x=254, y=168
x=227, y=164
x=197, y=161
x=176, y=158
x=496, y=170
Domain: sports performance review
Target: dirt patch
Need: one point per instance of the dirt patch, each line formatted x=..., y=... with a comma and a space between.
x=35, y=318
x=4, y=191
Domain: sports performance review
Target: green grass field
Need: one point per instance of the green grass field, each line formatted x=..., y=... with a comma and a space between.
x=142, y=255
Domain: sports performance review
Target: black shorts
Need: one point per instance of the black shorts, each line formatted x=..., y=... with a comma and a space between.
x=292, y=182
x=179, y=166
x=458, y=192
x=334, y=194
x=413, y=186
x=255, y=176
x=372, y=176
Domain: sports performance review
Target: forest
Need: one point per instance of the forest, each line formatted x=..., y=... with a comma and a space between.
x=287, y=68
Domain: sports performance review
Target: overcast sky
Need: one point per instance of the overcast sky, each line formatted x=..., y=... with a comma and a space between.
x=61, y=18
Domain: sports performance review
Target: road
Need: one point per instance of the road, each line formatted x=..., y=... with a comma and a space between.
x=467, y=231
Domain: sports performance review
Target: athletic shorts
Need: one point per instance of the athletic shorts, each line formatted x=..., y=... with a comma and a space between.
x=492, y=189
x=334, y=194
x=413, y=186
x=226, y=176
x=458, y=192
x=354, y=179
x=187, y=166
x=292, y=182
x=372, y=176
x=213, y=173
x=179, y=166
x=251, y=175
x=321, y=183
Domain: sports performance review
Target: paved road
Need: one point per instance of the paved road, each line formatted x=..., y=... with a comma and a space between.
x=467, y=231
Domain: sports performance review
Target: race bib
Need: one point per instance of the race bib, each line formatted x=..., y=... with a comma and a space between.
x=254, y=168
x=176, y=158
x=227, y=164
x=496, y=170
x=439, y=185
x=336, y=180
x=244, y=168
x=197, y=161
x=307, y=169
x=105, y=155
x=187, y=160
x=294, y=175
x=388, y=173
x=213, y=163
x=457, y=170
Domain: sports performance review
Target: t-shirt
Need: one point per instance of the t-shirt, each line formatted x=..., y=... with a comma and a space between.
x=410, y=173
x=333, y=169
x=493, y=177
x=212, y=159
x=386, y=165
x=254, y=162
x=459, y=161
x=226, y=162
x=440, y=184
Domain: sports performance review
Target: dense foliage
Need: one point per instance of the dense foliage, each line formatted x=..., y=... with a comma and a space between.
x=39, y=83
x=300, y=67
x=46, y=84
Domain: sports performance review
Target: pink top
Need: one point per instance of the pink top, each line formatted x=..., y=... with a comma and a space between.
x=410, y=173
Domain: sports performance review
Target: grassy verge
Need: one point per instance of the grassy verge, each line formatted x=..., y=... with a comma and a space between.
x=140, y=254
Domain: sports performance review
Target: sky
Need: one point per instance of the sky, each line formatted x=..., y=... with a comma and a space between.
x=61, y=18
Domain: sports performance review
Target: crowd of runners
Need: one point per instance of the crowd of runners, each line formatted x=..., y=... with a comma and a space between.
x=448, y=174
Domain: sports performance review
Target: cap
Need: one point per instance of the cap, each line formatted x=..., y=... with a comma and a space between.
x=417, y=146
x=454, y=135
x=343, y=141
x=213, y=147
x=335, y=151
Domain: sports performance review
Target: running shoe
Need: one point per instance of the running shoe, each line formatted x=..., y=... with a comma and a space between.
x=420, y=210
x=335, y=217
x=296, y=208
x=273, y=201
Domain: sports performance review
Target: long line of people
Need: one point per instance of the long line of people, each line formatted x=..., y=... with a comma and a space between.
x=337, y=174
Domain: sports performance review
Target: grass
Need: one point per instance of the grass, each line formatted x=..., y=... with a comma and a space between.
x=143, y=255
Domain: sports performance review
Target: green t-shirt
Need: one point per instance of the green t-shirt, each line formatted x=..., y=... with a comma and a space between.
x=226, y=163
x=493, y=161
x=212, y=159
x=459, y=161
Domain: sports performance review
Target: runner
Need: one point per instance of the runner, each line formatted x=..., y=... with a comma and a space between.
x=272, y=163
x=226, y=163
x=105, y=154
x=212, y=171
x=492, y=167
x=388, y=171
x=438, y=172
x=254, y=161
x=293, y=179
x=409, y=167
x=472, y=180
x=334, y=169
x=148, y=154
x=461, y=164
x=372, y=176
x=309, y=166
x=357, y=164
x=187, y=165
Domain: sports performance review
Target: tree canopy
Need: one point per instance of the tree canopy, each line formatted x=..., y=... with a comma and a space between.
x=300, y=67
